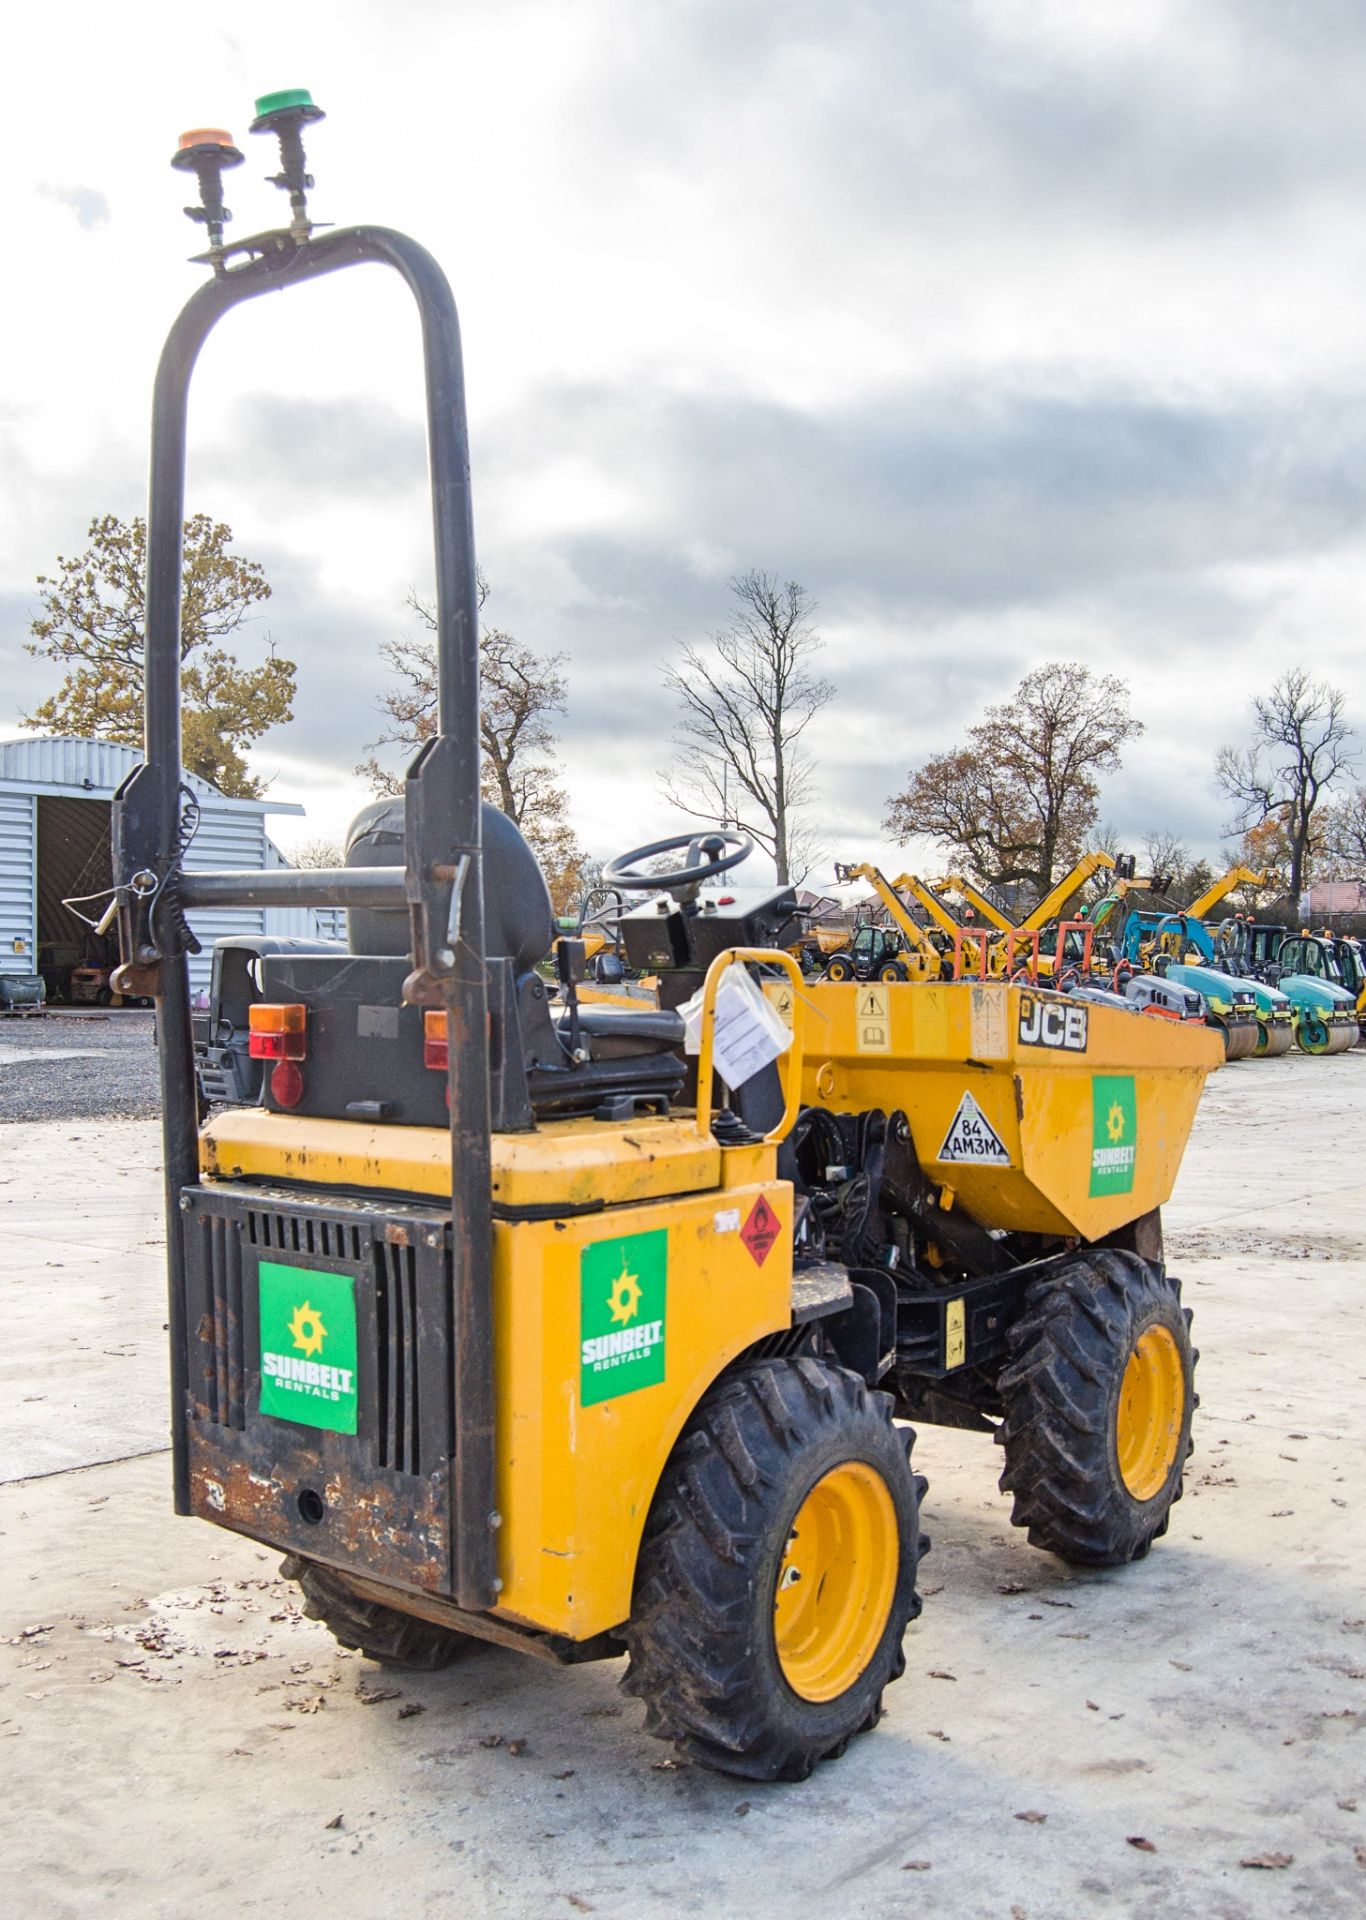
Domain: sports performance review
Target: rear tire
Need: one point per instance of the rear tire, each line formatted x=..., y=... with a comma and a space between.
x=838, y=968
x=789, y=1472
x=381, y=1633
x=1098, y=1397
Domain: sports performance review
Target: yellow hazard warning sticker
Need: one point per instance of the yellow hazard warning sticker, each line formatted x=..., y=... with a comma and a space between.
x=872, y=1021
x=779, y=997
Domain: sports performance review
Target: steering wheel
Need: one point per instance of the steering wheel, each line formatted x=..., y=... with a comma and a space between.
x=708, y=854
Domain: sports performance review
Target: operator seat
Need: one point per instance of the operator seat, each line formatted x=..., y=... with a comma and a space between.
x=621, y=1054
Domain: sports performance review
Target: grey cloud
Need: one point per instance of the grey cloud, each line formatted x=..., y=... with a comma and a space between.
x=952, y=541
x=944, y=112
x=349, y=444
x=968, y=499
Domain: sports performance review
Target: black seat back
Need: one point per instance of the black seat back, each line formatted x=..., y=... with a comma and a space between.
x=518, y=918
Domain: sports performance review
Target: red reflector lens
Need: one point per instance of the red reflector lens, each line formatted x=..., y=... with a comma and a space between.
x=287, y=1084
x=436, y=1051
x=276, y=1032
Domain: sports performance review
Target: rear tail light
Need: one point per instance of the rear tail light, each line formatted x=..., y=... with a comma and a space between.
x=277, y=1033
x=436, y=1050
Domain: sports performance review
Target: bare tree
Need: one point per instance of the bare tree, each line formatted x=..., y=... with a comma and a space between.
x=1302, y=743
x=316, y=853
x=1165, y=853
x=1020, y=801
x=1181, y=875
x=520, y=691
x=746, y=701
x=1342, y=838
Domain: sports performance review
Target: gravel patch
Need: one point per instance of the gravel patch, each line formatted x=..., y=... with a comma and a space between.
x=72, y=1066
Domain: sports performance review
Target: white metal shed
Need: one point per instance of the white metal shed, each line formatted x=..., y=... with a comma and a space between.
x=54, y=845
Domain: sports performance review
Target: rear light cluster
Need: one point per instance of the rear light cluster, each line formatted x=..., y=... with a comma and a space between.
x=280, y=1033
x=277, y=1033
x=436, y=1046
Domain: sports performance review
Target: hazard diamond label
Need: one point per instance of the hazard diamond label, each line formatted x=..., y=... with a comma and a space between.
x=761, y=1230
x=973, y=1138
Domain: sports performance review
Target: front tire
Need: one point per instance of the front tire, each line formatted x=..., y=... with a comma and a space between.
x=839, y=968
x=777, y=1574
x=1098, y=1398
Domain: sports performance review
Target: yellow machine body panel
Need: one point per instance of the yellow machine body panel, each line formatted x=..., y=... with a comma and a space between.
x=563, y=1163
x=1036, y=1112
x=609, y=1325
x=580, y=1445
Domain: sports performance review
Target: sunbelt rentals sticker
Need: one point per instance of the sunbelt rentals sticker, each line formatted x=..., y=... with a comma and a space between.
x=623, y=1315
x=308, y=1346
x=1114, y=1133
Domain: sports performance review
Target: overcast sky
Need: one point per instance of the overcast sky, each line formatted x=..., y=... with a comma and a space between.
x=1013, y=331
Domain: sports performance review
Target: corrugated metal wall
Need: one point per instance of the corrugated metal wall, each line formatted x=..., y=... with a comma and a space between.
x=17, y=843
x=232, y=841
x=92, y=766
x=231, y=834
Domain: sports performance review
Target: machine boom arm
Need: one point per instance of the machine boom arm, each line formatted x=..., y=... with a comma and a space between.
x=1225, y=885
x=976, y=899
x=914, y=935
x=1056, y=902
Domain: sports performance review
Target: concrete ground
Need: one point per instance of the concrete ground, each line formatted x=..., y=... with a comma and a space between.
x=176, y=1738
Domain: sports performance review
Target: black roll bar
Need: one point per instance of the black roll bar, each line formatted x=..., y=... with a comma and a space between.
x=442, y=882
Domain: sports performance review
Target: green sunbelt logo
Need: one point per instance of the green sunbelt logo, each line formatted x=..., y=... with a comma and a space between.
x=308, y=1346
x=1114, y=1133
x=623, y=1314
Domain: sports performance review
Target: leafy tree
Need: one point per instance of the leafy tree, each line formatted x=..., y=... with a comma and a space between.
x=1301, y=744
x=521, y=689
x=93, y=622
x=1266, y=850
x=1020, y=800
x=746, y=702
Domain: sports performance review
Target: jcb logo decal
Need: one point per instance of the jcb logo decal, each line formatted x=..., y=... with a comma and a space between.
x=1052, y=1023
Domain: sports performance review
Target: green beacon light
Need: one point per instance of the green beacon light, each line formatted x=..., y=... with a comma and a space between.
x=270, y=104
x=285, y=114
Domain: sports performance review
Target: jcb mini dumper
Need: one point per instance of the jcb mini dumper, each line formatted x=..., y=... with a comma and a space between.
x=502, y=1328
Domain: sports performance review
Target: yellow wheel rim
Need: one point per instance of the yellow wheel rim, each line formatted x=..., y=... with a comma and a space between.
x=1152, y=1406
x=836, y=1582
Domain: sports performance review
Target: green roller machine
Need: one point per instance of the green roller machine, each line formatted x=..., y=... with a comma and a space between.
x=1324, y=1012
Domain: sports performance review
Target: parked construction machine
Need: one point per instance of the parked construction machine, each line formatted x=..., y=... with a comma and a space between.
x=1324, y=1012
x=901, y=950
x=1165, y=943
x=523, y=1325
x=977, y=905
x=1310, y=963
x=930, y=901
